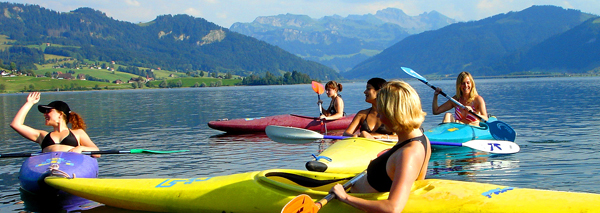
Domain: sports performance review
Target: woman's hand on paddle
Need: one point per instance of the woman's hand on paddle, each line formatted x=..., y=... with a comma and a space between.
x=437, y=91
x=33, y=97
x=339, y=192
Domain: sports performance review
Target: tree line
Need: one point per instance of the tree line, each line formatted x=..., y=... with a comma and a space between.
x=270, y=79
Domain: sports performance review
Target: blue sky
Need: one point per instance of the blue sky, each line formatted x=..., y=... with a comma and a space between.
x=227, y=12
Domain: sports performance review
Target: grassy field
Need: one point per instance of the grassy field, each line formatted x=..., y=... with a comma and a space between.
x=102, y=74
x=27, y=83
x=24, y=83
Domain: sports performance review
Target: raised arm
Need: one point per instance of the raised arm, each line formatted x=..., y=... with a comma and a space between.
x=19, y=120
x=436, y=110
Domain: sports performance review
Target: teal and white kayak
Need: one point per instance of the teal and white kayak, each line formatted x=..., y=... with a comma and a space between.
x=458, y=133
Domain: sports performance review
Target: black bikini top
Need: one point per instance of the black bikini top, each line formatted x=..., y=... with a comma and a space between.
x=364, y=126
x=377, y=175
x=70, y=140
x=332, y=110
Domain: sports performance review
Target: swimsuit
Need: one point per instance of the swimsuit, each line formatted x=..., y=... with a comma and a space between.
x=332, y=110
x=377, y=173
x=70, y=140
x=364, y=126
x=459, y=116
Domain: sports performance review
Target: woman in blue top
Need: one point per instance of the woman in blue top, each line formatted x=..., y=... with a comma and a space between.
x=57, y=114
x=395, y=171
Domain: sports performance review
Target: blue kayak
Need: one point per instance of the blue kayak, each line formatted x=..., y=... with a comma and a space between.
x=458, y=133
x=38, y=195
x=66, y=164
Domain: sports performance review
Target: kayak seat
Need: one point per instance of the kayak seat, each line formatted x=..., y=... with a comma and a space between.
x=304, y=181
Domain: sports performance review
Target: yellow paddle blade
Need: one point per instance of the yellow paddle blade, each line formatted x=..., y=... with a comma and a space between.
x=300, y=204
x=318, y=87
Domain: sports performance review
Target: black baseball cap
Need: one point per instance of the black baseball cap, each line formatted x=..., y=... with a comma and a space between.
x=58, y=105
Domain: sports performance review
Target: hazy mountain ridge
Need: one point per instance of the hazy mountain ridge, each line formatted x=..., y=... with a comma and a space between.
x=337, y=41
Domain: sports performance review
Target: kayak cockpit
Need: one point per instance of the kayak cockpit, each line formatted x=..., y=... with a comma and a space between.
x=303, y=181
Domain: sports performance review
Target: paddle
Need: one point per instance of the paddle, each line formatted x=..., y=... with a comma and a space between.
x=132, y=151
x=292, y=135
x=319, y=89
x=498, y=129
x=304, y=204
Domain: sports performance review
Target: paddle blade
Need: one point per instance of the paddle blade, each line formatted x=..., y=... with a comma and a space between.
x=493, y=146
x=300, y=204
x=318, y=87
x=414, y=74
x=138, y=151
x=502, y=131
x=291, y=135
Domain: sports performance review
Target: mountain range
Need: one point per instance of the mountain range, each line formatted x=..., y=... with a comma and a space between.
x=340, y=42
x=539, y=38
x=172, y=42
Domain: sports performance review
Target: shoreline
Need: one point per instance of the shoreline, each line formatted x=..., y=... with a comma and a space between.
x=341, y=81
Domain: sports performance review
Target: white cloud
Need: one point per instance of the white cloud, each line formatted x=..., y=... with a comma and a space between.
x=132, y=3
x=193, y=12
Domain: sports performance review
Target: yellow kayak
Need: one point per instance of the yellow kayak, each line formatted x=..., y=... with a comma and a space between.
x=351, y=155
x=270, y=190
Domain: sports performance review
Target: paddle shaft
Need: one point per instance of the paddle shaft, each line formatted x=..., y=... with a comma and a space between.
x=321, y=112
x=439, y=143
x=24, y=155
x=347, y=185
x=132, y=151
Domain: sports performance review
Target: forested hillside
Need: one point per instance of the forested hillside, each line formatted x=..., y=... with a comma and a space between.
x=577, y=50
x=483, y=47
x=180, y=42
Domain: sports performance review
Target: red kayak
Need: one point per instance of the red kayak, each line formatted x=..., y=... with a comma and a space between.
x=246, y=125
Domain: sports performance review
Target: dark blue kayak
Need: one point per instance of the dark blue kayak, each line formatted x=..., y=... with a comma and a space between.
x=38, y=195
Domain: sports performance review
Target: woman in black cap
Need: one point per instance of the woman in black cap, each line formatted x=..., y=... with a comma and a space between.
x=58, y=115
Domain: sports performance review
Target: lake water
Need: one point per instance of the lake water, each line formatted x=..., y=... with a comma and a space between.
x=557, y=120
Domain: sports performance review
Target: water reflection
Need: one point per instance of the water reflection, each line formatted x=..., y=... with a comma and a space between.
x=556, y=121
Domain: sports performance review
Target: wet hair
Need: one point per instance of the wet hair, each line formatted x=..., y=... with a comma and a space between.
x=334, y=85
x=401, y=105
x=459, y=80
x=75, y=119
x=377, y=83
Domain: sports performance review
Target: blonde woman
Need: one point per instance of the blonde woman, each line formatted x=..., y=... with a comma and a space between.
x=395, y=171
x=467, y=95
